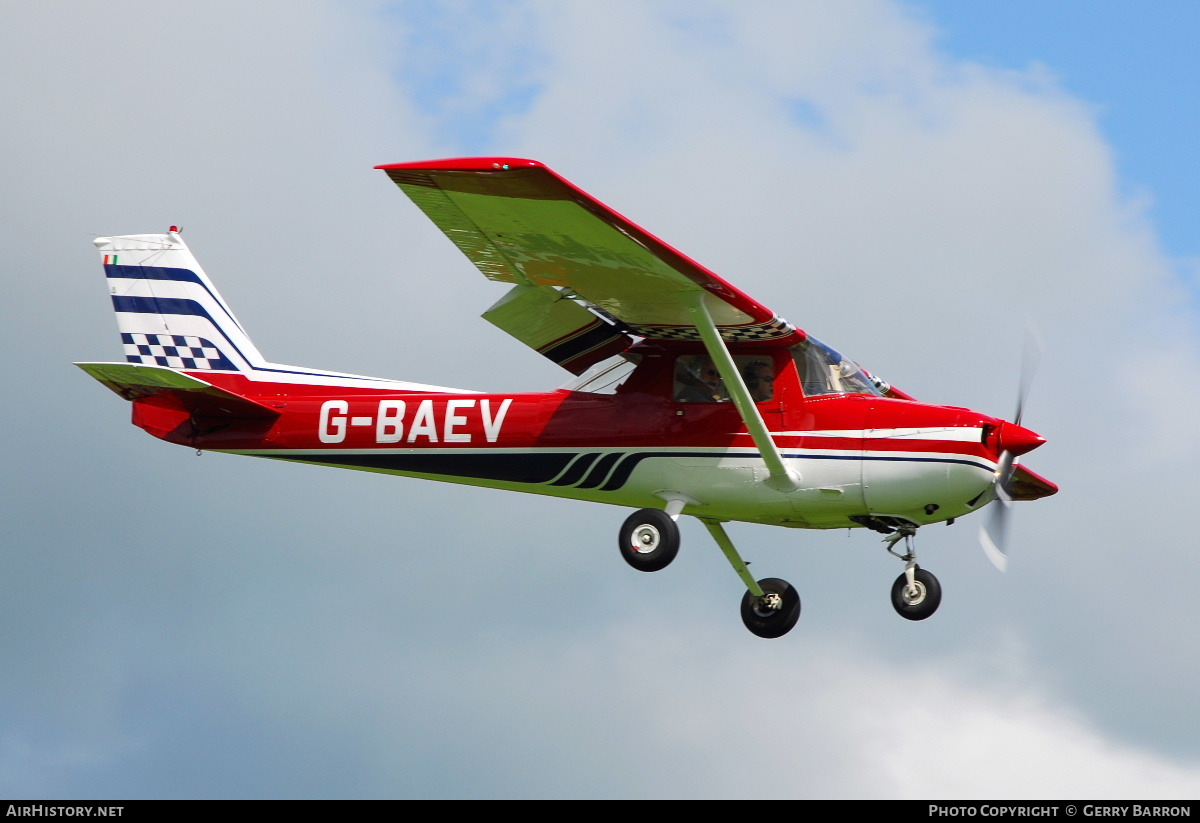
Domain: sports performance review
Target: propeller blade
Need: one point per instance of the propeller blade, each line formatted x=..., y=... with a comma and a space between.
x=999, y=559
x=1031, y=355
x=993, y=535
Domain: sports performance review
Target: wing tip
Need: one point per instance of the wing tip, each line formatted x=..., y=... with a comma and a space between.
x=465, y=164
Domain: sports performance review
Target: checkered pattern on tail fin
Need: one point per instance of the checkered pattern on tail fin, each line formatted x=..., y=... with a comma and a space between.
x=176, y=351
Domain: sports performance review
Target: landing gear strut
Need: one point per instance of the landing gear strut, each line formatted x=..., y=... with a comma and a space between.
x=770, y=607
x=650, y=540
x=916, y=594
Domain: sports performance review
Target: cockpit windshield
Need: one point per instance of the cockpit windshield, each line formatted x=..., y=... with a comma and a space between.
x=825, y=371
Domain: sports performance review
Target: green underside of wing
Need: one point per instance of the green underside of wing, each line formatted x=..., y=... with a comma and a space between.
x=544, y=237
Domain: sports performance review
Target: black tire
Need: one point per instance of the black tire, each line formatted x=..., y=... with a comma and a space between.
x=922, y=603
x=649, y=540
x=767, y=622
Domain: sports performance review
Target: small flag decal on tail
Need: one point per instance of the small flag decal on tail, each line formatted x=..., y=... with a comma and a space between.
x=110, y=259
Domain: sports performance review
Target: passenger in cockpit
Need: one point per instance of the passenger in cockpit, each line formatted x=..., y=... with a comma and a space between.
x=760, y=380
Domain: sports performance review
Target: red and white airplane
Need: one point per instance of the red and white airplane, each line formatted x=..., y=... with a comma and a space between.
x=691, y=397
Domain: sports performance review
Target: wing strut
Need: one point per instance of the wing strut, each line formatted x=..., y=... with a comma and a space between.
x=782, y=478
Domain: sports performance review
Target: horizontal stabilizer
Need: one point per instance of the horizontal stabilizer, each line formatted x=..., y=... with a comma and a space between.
x=133, y=381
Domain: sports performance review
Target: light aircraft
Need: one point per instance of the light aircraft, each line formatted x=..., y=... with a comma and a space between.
x=690, y=397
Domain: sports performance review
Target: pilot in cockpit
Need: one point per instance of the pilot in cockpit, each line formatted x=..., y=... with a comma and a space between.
x=698, y=381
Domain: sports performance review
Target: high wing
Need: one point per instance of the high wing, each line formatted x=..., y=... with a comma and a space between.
x=585, y=278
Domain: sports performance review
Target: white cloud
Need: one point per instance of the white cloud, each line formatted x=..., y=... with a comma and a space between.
x=746, y=720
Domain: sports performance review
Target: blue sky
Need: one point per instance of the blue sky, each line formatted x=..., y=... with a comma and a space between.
x=908, y=181
x=1136, y=62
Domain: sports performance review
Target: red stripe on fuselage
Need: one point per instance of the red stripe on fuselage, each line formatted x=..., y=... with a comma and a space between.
x=339, y=417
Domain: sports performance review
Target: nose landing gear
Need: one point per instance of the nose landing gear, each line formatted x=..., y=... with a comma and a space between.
x=916, y=594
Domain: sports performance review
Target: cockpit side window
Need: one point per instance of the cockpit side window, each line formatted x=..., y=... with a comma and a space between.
x=697, y=379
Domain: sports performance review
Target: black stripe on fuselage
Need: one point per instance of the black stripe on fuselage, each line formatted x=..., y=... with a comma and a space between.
x=575, y=471
x=552, y=468
x=537, y=467
x=599, y=471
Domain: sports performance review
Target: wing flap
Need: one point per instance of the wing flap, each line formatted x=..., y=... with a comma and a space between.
x=557, y=328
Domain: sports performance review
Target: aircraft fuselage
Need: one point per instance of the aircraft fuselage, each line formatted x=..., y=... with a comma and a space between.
x=858, y=456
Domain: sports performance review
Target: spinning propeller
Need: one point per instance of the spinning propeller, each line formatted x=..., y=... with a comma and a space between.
x=1013, y=440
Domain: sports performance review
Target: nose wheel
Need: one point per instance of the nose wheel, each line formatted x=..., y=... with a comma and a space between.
x=918, y=598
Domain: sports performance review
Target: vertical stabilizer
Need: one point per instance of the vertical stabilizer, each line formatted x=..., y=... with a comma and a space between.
x=168, y=312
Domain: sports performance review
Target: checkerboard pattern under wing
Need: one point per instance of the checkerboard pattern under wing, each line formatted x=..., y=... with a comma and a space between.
x=176, y=351
x=775, y=329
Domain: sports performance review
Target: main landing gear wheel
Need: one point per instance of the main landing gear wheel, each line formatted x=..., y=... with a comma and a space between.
x=773, y=614
x=649, y=540
x=921, y=599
